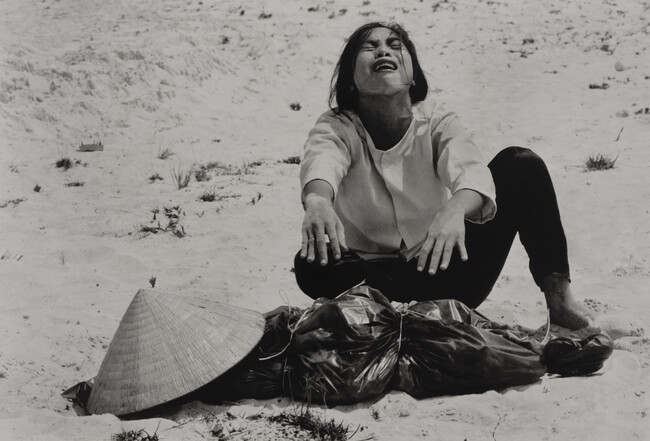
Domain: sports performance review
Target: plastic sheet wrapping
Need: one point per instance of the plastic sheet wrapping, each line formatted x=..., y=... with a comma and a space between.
x=358, y=346
x=568, y=357
x=448, y=356
x=344, y=350
x=455, y=311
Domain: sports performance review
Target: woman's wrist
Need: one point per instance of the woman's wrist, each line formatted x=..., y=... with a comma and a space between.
x=466, y=201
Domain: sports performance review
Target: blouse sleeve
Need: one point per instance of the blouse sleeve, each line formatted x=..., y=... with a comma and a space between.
x=327, y=152
x=460, y=165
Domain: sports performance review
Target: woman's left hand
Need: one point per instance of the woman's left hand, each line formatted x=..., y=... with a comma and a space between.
x=446, y=232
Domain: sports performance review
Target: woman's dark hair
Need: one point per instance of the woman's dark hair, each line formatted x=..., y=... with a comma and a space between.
x=342, y=89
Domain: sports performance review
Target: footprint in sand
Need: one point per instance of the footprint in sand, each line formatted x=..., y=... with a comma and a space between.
x=596, y=305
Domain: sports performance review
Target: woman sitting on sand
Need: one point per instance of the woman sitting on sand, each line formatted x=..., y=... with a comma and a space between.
x=408, y=205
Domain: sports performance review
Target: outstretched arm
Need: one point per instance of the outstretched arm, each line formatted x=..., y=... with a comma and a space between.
x=320, y=221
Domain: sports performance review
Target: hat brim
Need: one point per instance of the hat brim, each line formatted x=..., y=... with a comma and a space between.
x=167, y=346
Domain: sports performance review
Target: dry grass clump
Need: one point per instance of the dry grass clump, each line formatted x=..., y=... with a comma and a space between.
x=75, y=184
x=134, y=435
x=205, y=172
x=172, y=215
x=208, y=196
x=297, y=423
x=217, y=168
x=181, y=177
x=248, y=166
x=201, y=175
x=67, y=163
x=212, y=195
x=64, y=163
x=291, y=160
x=155, y=177
x=317, y=427
x=165, y=153
x=599, y=162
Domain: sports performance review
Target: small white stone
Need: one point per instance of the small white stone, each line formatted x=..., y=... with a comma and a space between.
x=403, y=412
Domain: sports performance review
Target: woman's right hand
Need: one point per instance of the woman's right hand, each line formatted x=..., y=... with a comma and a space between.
x=321, y=221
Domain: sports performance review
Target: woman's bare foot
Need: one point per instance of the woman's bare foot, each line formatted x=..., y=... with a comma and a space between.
x=564, y=310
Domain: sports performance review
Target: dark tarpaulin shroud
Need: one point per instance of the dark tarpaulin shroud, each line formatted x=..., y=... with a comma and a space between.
x=358, y=346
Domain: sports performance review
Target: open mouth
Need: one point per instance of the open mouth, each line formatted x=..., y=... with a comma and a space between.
x=382, y=65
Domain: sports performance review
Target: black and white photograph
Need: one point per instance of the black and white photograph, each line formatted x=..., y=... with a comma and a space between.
x=324, y=220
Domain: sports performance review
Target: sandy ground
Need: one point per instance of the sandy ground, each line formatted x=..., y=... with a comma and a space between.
x=215, y=81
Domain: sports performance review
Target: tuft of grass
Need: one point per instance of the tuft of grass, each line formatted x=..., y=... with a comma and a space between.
x=152, y=281
x=205, y=172
x=156, y=177
x=317, y=427
x=135, y=435
x=201, y=175
x=64, y=163
x=218, y=168
x=181, y=177
x=165, y=153
x=252, y=164
x=208, y=196
x=248, y=167
x=75, y=184
x=600, y=162
x=291, y=160
x=173, y=216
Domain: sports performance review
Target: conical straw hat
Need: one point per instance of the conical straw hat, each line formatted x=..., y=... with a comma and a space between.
x=167, y=346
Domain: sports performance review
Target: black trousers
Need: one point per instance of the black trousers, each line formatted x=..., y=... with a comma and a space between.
x=526, y=204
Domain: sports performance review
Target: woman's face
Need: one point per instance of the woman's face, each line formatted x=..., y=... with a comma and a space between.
x=383, y=65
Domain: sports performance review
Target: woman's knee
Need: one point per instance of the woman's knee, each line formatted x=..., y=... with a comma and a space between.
x=330, y=280
x=517, y=157
x=519, y=163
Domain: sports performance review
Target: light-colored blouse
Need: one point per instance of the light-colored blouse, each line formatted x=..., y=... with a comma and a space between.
x=386, y=200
